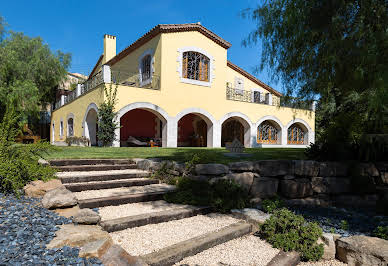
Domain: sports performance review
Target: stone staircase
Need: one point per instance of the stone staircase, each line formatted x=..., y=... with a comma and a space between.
x=103, y=183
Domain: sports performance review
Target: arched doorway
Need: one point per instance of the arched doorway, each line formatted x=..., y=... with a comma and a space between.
x=297, y=134
x=140, y=127
x=235, y=128
x=269, y=132
x=91, y=127
x=193, y=130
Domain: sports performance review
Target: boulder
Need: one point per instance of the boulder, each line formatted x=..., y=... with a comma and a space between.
x=86, y=216
x=318, y=200
x=211, y=169
x=296, y=188
x=241, y=166
x=306, y=168
x=333, y=169
x=253, y=216
x=148, y=164
x=285, y=259
x=67, y=212
x=42, y=161
x=243, y=179
x=362, y=250
x=77, y=235
x=95, y=249
x=329, y=249
x=202, y=178
x=38, y=188
x=288, y=177
x=264, y=187
x=330, y=185
x=274, y=167
x=59, y=198
x=365, y=169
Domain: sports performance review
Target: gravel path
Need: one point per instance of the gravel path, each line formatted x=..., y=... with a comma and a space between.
x=323, y=263
x=90, y=194
x=149, y=238
x=246, y=250
x=100, y=173
x=130, y=209
x=26, y=228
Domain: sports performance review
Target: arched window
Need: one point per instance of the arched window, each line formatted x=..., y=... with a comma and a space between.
x=146, y=68
x=295, y=135
x=70, y=127
x=195, y=66
x=267, y=133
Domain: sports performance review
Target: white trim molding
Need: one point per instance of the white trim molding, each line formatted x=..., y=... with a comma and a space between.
x=280, y=127
x=310, y=133
x=193, y=81
x=149, y=52
x=90, y=106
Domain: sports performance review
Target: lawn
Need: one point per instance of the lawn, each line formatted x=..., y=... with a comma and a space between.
x=215, y=155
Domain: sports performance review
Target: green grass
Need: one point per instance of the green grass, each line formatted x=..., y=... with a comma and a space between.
x=215, y=155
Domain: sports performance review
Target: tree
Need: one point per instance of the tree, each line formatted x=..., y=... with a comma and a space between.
x=29, y=73
x=334, y=51
x=107, y=123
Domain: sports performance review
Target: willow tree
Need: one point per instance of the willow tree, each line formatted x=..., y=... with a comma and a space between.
x=335, y=51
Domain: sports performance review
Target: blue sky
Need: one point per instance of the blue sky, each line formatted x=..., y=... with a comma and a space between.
x=78, y=27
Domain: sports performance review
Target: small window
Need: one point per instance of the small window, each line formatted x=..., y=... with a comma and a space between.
x=146, y=68
x=295, y=135
x=195, y=66
x=238, y=83
x=70, y=127
x=61, y=129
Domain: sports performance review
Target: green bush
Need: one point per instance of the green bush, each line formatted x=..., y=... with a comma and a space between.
x=222, y=195
x=19, y=162
x=163, y=174
x=270, y=205
x=381, y=232
x=288, y=231
x=198, y=157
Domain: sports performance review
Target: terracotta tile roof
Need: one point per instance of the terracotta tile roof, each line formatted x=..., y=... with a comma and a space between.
x=95, y=67
x=253, y=78
x=169, y=28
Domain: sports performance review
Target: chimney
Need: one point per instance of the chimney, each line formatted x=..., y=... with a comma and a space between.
x=109, y=48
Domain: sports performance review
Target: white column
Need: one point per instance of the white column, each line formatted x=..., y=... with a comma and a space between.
x=116, y=141
x=314, y=106
x=62, y=100
x=106, y=74
x=311, y=137
x=78, y=90
x=171, y=132
x=216, y=132
x=253, y=136
x=284, y=136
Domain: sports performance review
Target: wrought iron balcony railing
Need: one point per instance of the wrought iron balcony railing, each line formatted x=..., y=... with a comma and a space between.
x=248, y=96
x=136, y=80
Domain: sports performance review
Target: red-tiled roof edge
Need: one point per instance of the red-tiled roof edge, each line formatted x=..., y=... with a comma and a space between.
x=253, y=78
x=95, y=67
x=169, y=28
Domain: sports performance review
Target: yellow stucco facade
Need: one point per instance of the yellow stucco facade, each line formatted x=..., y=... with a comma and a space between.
x=170, y=96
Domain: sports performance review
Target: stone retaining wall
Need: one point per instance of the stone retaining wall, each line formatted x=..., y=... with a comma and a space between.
x=301, y=182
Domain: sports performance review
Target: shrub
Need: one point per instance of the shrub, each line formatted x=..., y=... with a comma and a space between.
x=222, y=195
x=107, y=123
x=270, y=205
x=381, y=232
x=163, y=174
x=77, y=140
x=288, y=231
x=198, y=157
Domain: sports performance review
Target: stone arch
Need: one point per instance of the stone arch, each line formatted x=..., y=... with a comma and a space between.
x=155, y=109
x=245, y=122
x=275, y=123
x=309, y=134
x=68, y=117
x=206, y=116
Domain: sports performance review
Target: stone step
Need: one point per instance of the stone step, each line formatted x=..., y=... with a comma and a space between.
x=94, y=185
x=112, y=197
x=152, y=218
x=97, y=167
x=177, y=252
x=75, y=177
x=64, y=162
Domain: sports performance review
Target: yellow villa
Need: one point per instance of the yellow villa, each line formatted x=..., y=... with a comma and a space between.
x=176, y=88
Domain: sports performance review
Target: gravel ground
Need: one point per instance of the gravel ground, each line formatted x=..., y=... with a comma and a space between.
x=26, y=228
x=99, y=173
x=323, y=263
x=246, y=250
x=130, y=209
x=149, y=238
x=90, y=194
x=346, y=222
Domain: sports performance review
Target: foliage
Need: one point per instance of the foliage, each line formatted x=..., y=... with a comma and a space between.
x=163, y=173
x=381, y=232
x=198, y=157
x=29, y=73
x=19, y=162
x=288, y=231
x=222, y=195
x=333, y=51
x=107, y=123
x=270, y=205
x=344, y=225
x=77, y=140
